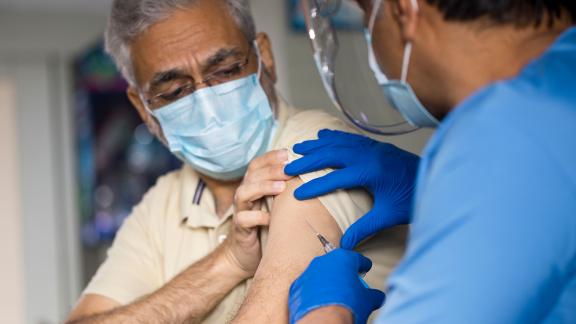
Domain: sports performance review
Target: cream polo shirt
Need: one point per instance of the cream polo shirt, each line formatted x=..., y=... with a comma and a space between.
x=175, y=225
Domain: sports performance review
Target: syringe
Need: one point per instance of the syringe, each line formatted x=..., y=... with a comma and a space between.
x=329, y=247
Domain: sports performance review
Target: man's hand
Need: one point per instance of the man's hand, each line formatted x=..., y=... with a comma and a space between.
x=332, y=280
x=265, y=177
x=388, y=172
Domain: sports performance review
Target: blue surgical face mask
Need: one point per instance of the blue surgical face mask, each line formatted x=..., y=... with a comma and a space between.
x=218, y=130
x=398, y=92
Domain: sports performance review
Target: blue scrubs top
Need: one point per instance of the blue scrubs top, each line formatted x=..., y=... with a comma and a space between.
x=493, y=238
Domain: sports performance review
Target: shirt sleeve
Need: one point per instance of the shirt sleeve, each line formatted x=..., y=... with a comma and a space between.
x=493, y=234
x=345, y=206
x=132, y=267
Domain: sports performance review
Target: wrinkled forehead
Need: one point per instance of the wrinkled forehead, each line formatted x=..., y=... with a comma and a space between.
x=189, y=36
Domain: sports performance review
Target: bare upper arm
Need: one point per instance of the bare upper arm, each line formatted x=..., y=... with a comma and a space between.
x=92, y=304
x=290, y=248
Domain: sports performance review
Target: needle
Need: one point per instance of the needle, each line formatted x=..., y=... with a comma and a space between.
x=328, y=247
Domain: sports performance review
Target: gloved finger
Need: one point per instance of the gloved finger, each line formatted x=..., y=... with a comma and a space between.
x=346, y=178
x=313, y=162
x=366, y=226
x=310, y=146
x=364, y=264
x=377, y=298
x=328, y=139
x=341, y=137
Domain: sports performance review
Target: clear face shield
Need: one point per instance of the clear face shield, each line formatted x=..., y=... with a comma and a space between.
x=342, y=58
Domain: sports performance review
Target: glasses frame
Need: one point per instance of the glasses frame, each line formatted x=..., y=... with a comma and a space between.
x=193, y=86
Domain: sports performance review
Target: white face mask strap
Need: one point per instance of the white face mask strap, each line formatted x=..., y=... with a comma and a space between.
x=408, y=51
x=255, y=44
x=406, y=61
x=375, y=8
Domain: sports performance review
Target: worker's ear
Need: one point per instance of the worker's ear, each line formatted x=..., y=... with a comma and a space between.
x=147, y=118
x=406, y=13
x=266, y=55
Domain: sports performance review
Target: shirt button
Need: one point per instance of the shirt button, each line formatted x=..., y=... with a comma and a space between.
x=222, y=237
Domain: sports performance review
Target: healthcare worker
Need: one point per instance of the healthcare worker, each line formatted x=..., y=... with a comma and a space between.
x=493, y=205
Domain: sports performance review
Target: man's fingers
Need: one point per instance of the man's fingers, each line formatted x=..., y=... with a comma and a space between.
x=339, y=179
x=247, y=193
x=268, y=173
x=250, y=219
x=277, y=157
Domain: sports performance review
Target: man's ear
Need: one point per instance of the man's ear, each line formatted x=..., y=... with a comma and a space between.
x=136, y=101
x=407, y=14
x=266, y=55
x=146, y=117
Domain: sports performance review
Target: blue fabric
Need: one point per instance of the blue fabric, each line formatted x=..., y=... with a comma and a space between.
x=493, y=238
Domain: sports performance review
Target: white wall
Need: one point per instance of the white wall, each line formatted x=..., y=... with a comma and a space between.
x=42, y=34
x=11, y=243
x=36, y=49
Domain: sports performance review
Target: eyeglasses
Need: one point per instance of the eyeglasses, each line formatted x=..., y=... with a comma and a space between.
x=223, y=74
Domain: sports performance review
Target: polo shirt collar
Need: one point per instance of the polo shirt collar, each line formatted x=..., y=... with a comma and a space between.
x=197, y=206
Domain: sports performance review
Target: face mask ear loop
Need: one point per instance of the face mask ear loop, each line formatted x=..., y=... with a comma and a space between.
x=375, y=9
x=255, y=44
x=408, y=51
x=406, y=61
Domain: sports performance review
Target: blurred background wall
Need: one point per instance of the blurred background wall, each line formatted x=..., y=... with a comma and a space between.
x=46, y=260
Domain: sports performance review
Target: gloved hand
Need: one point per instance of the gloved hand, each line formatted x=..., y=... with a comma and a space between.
x=332, y=279
x=388, y=172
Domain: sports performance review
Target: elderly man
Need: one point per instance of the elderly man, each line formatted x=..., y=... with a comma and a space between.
x=203, y=81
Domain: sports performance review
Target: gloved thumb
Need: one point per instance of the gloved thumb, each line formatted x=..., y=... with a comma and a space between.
x=363, y=228
x=377, y=299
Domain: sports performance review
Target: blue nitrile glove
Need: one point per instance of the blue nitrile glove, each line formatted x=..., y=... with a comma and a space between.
x=332, y=280
x=388, y=172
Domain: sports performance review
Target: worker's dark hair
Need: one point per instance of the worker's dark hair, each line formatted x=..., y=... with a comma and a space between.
x=516, y=12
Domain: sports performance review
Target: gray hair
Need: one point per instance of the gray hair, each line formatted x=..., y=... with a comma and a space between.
x=130, y=18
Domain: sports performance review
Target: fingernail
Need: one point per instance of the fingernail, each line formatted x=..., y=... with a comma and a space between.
x=279, y=185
